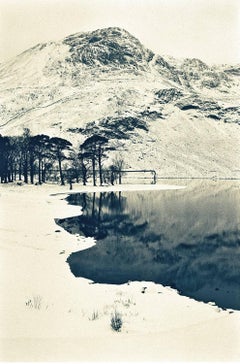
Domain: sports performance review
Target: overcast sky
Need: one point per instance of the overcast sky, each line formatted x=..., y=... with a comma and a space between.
x=206, y=29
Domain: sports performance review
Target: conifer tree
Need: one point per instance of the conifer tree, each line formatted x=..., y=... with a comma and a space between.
x=58, y=147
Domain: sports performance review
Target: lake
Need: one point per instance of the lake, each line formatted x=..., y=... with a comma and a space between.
x=188, y=239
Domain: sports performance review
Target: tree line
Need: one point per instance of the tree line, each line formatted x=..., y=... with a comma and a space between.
x=38, y=158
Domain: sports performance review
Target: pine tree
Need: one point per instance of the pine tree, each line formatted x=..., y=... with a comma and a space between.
x=94, y=148
x=58, y=146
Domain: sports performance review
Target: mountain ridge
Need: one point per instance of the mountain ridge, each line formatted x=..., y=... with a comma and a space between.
x=91, y=77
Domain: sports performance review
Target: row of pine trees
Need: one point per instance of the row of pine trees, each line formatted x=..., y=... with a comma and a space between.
x=37, y=158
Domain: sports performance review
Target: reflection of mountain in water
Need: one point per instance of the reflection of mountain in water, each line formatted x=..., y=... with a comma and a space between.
x=188, y=239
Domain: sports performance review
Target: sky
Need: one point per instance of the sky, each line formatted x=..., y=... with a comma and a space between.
x=205, y=29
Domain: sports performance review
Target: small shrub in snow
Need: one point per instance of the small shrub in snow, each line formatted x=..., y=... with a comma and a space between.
x=116, y=321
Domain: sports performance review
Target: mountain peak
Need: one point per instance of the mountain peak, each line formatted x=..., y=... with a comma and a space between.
x=114, y=32
x=108, y=46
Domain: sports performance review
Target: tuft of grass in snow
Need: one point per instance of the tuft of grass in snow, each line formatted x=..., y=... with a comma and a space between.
x=35, y=302
x=95, y=316
x=125, y=302
x=116, y=321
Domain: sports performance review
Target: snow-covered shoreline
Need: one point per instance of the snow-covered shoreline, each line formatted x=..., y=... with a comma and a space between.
x=73, y=319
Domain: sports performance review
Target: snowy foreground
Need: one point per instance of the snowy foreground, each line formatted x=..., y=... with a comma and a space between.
x=46, y=314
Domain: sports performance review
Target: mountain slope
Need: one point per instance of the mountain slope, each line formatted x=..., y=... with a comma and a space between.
x=187, y=112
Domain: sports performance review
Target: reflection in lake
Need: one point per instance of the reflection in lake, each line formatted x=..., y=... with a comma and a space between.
x=188, y=239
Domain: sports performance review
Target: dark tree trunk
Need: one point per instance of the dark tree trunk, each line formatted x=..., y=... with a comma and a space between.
x=15, y=173
x=20, y=171
x=25, y=172
x=9, y=176
x=60, y=170
x=84, y=173
x=120, y=177
x=100, y=165
x=32, y=170
x=39, y=171
x=43, y=173
x=112, y=177
x=94, y=171
x=25, y=168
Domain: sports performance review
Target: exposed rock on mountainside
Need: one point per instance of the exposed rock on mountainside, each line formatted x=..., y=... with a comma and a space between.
x=114, y=47
x=179, y=116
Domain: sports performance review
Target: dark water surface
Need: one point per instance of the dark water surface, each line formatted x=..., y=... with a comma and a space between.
x=188, y=239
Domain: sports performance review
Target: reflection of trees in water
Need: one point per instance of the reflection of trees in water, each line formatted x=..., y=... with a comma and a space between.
x=201, y=264
x=102, y=214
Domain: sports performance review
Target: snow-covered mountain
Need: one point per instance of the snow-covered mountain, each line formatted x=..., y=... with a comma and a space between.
x=181, y=117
